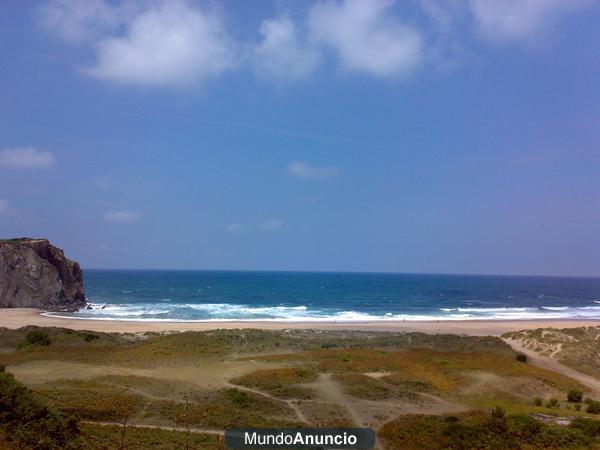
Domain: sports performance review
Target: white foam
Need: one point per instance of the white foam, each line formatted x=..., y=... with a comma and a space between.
x=221, y=312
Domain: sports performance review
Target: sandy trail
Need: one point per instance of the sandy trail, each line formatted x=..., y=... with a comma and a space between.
x=552, y=364
x=331, y=392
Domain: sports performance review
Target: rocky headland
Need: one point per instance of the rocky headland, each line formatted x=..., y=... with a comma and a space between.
x=36, y=274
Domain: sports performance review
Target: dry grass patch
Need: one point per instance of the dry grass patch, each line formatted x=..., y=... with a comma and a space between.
x=91, y=400
x=99, y=437
x=226, y=408
x=280, y=383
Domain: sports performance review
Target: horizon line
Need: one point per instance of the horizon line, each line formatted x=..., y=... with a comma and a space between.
x=344, y=272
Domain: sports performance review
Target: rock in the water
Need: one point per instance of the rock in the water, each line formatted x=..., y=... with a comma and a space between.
x=35, y=274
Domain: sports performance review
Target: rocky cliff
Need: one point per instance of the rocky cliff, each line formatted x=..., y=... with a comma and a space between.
x=36, y=274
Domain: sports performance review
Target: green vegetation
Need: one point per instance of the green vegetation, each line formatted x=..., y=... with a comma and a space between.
x=26, y=422
x=522, y=357
x=593, y=407
x=575, y=395
x=225, y=378
x=483, y=431
x=36, y=338
x=99, y=437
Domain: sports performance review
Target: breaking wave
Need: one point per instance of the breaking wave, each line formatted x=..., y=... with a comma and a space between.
x=187, y=312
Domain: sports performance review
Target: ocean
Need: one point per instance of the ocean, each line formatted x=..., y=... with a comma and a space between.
x=304, y=296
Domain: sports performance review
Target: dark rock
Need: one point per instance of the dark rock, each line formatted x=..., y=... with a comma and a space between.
x=35, y=274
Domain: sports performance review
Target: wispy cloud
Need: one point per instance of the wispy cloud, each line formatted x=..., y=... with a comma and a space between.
x=233, y=227
x=271, y=225
x=26, y=158
x=308, y=171
x=281, y=54
x=123, y=216
x=519, y=20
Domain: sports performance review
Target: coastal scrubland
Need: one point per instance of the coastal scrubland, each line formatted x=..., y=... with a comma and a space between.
x=178, y=390
x=578, y=348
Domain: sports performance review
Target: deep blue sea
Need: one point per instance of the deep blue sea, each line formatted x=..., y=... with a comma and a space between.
x=303, y=296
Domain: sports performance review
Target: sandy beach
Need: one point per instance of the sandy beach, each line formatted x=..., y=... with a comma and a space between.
x=20, y=317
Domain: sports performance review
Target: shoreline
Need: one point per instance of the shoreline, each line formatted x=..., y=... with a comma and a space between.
x=20, y=317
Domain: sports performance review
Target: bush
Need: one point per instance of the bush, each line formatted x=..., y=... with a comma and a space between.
x=577, y=406
x=589, y=427
x=89, y=337
x=593, y=407
x=538, y=401
x=30, y=424
x=498, y=412
x=2, y=368
x=238, y=397
x=575, y=395
x=36, y=338
x=552, y=403
x=522, y=357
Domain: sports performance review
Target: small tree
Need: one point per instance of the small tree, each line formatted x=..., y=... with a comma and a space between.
x=593, y=407
x=575, y=395
x=538, y=401
x=552, y=403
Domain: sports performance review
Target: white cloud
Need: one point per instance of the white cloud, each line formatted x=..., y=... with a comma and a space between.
x=170, y=44
x=281, y=53
x=366, y=37
x=232, y=227
x=271, y=225
x=516, y=20
x=124, y=216
x=25, y=158
x=307, y=171
x=4, y=206
x=148, y=43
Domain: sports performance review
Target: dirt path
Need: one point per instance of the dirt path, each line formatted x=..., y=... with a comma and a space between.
x=331, y=392
x=157, y=427
x=556, y=366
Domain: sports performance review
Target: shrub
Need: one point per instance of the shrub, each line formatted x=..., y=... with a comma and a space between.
x=30, y=424
x=2, y=368
x=589, y=427
x=498, y=412
x=575, y=395
x=552, y=403
x=522, y=357
x=238, y=397
x=538, y=401
x=577, y=406
x=36, y=338
x=89, y=337
x=593, y=407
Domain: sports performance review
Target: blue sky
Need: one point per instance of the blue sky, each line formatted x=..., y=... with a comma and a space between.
x=453, y=136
